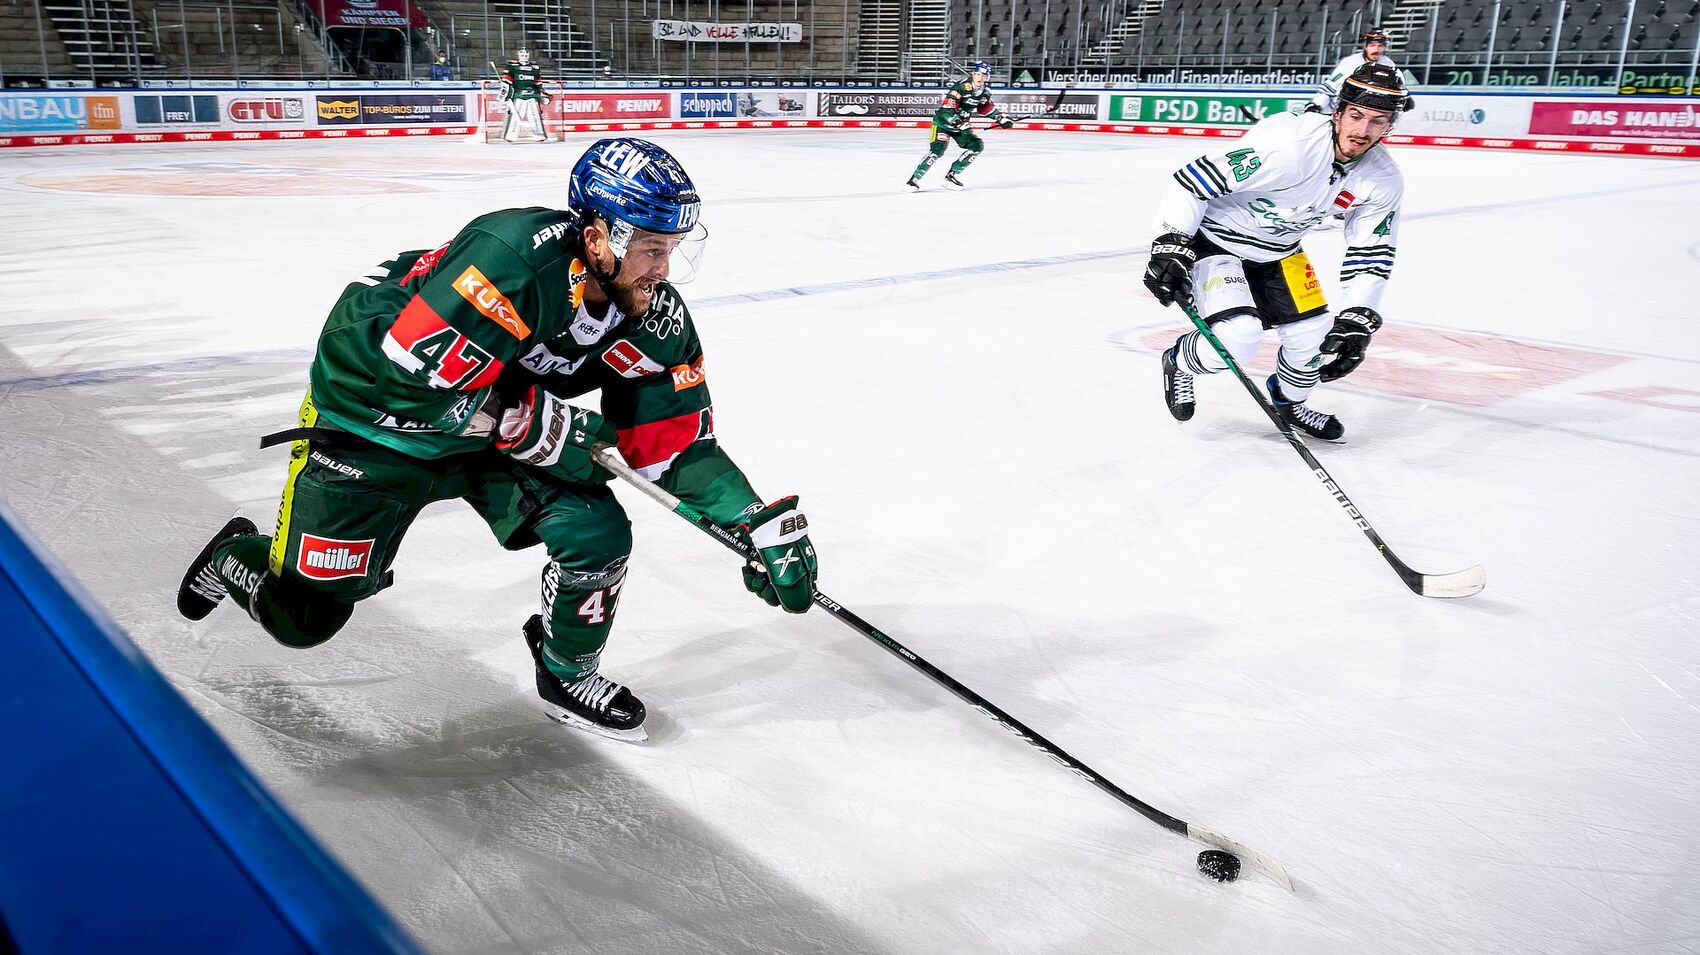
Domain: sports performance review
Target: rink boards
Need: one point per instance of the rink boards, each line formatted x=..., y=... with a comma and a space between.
x=1546, y=121
x=128, y=823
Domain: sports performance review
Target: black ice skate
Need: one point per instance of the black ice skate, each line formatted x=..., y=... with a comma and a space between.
x=201, y=590
x=915, y=183
x=594, y=703
x=953, y=182
x=1177, y=387
x=1309, y=420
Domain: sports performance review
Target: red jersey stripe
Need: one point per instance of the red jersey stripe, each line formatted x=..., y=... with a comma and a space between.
x=658, y=442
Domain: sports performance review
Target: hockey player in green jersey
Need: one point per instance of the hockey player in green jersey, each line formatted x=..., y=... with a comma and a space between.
x=962, y=102
x=522, y=90
x=446, y=375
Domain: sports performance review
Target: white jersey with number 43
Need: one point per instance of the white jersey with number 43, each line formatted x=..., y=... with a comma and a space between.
x=1258, y=195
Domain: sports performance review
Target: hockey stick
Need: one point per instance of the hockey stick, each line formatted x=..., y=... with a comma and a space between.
x=610, y=459
x=1461, y=583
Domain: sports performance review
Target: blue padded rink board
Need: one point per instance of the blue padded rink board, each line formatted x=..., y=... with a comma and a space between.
x=126, y=823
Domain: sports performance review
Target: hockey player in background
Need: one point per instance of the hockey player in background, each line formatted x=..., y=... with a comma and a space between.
x=1229, y=225
x=962, y=102
x=1373, y=50
x=522, y=90
x=446, y=374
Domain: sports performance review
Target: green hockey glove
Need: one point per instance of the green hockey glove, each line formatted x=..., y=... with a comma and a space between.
x=785, y=574
x=546, y=432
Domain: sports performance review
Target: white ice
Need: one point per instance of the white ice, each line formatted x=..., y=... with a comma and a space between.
x=964, y=391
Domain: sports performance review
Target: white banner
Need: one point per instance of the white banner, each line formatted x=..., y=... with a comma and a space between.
x=696, y=31
x=1438, y=114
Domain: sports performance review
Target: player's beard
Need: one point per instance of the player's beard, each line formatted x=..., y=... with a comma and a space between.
x=632, y=296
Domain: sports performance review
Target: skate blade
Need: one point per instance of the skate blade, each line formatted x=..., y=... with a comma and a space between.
x=636, y=734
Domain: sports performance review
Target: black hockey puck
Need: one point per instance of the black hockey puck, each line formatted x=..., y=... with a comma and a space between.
x=1219, y=865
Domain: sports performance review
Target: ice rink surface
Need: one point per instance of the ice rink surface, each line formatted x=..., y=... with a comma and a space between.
x=964, y=390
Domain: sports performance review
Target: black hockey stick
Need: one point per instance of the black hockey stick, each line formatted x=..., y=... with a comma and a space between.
x=1461, y=583
x=610, y=459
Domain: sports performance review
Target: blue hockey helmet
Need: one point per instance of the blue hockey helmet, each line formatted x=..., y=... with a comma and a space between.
x=982, y=66
x=635, y=182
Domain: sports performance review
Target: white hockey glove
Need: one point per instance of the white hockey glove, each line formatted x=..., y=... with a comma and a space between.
x=546, y=432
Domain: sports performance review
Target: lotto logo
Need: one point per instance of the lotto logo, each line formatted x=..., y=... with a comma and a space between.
x=326, y=558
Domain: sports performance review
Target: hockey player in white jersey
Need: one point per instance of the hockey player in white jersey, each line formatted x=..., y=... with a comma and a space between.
x=1374, y=50
x=1229, y=227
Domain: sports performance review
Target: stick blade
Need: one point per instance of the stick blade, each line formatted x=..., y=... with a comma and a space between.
x=1258, y=860
x=1463, y=583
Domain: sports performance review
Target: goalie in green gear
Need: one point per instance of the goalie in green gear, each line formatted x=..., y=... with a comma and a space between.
x=523, y=92
x=962, y=102
x=446, y=375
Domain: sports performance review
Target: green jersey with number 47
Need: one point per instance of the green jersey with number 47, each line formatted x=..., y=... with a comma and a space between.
x=962, y=103
x=409, y=355
x=1258, y=195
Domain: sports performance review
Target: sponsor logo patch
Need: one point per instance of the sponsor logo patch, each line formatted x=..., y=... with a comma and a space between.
x=1302, y=282
x=625, y=358
x=345, y=110
x=575, y=283
x=1345, y=199
x=490, y=302
x=326, y=558
x=269, y=109
x=687, y=376
x=336, y=465
x=426, y=263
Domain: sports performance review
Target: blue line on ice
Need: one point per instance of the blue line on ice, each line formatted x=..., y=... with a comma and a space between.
x=100, y=376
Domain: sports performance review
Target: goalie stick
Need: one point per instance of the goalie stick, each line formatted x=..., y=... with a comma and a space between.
x=608, y=458
x=1462, y=583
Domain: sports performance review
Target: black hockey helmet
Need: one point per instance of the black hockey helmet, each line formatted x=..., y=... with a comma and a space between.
x=1373, y=35
x=1375, y=86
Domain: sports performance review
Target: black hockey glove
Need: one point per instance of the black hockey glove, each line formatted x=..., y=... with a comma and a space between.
x=1348, y=340
x=1311, y=108
x=1169, y=273
x=1005, y=122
